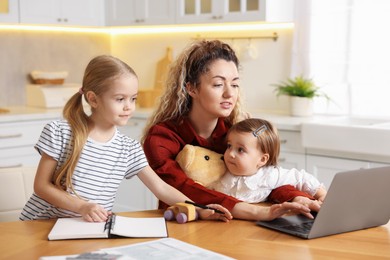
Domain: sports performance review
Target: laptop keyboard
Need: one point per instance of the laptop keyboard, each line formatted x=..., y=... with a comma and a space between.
x=301, y=228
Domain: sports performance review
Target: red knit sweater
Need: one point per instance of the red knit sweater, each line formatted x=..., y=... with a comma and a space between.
x=166, y=140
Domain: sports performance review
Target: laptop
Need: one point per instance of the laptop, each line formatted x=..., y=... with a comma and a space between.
x=356, y=200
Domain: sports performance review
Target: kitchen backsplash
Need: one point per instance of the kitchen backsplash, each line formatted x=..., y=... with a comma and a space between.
x=23, y=51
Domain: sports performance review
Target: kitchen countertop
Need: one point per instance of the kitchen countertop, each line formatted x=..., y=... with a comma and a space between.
x=24, y=113
x=281, y=120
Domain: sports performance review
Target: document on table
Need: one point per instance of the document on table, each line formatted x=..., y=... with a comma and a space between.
x=161, y=249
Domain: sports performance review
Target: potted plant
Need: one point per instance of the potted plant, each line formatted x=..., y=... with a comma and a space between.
x=301, y=91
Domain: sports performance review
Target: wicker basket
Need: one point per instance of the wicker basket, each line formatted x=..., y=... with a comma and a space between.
x=49, y=81
x=46, y=78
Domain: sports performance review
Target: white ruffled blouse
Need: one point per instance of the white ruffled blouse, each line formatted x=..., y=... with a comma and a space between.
x=256, y=188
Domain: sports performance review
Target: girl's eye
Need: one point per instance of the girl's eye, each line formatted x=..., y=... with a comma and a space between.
x=241, y=150
x=235, y=86
x=218, y=85
x=229, y=146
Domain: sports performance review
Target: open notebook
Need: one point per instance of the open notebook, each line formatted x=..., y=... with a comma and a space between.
x=356, y=200
x=77, y=228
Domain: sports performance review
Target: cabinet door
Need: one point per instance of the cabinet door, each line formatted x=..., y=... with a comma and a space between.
x=216, y=11
x=134, y=128
x=139, y=12
x=378, y=164
x=324, y=168
x=200, y=11
x=292, y=160
x=62, y=12
x=40, y=11
x=11, y=14
x=133, y=194
x=19, y=157
x=82, y=12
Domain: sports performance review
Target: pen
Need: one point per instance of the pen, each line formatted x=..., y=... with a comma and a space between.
x=203, y=206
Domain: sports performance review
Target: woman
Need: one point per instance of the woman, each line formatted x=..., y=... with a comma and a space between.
x=201, y=102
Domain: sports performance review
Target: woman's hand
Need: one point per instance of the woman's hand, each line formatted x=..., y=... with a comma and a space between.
x=313, y=205
x=93, y=212
x=277, y=210
x=211, y=214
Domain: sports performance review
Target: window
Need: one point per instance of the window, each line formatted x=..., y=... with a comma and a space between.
x=345, y=47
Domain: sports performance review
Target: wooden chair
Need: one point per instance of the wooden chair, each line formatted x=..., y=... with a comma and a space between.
x=16, y=187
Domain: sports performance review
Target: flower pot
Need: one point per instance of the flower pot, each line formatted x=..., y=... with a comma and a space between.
x=301, y=106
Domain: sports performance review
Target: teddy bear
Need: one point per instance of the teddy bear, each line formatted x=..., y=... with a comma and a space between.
x=201, y=164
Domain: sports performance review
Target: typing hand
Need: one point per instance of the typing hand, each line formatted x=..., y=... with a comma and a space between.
x=277, y=210
x=313, y=205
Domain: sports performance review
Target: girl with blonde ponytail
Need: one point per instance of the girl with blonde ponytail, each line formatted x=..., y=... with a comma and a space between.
x=84, y=157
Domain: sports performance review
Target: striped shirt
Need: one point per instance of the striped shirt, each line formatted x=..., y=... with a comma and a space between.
x=98, y=173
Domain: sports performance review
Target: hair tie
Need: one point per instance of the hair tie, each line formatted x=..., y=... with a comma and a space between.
x=81, y=91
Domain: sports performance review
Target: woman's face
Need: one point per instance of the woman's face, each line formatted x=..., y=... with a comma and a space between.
x=217, y=93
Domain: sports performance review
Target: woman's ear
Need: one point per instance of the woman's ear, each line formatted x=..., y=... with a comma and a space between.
x=191, y=90
x=92, y=99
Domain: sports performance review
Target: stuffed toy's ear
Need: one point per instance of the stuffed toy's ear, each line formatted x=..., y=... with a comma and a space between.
x=186, y=156
x=200, y=164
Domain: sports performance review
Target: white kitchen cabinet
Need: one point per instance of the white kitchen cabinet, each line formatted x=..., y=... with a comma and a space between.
x=17, y=140
x=62, y=12
x=12, y=14
x=139, y=12
x=325, y=168
x=292, y=153
x=133, y=194
x=217, y=11
x=377, y=164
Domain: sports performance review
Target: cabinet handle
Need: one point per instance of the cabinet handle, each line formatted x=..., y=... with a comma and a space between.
x=10, y=136
x=11, y=166
x=282, y=159
x=217, y=17
x=139, y=20
x=283, y=141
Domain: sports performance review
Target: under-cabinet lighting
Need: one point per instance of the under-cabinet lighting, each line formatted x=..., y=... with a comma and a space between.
x=139, y=30
x=48, y=28
x=226, y=27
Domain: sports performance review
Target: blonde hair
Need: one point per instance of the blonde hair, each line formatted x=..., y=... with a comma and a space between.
x=98, y=77
x=193, y=62
x=266, y=134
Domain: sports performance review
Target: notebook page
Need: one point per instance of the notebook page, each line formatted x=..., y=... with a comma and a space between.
x=139, y=227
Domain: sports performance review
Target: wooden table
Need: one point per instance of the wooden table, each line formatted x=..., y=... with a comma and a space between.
x=238, y=239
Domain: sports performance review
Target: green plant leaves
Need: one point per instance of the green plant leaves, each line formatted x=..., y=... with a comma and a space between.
x=299, y=87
